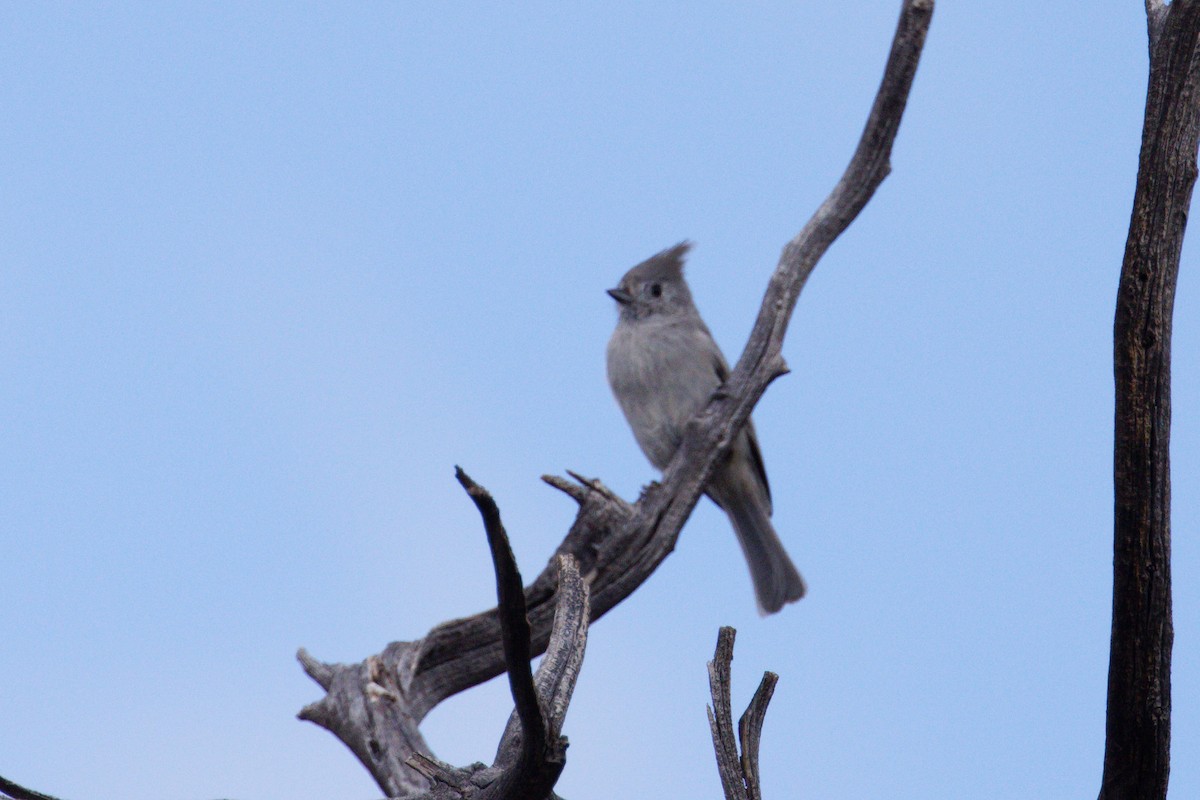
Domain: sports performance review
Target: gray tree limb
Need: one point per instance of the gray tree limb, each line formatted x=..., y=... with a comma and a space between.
x=1138, y=724
x=375, y=707
x=739, y=772
x=532, y=751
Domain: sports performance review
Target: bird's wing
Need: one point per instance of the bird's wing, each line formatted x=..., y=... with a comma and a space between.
x=760, y=468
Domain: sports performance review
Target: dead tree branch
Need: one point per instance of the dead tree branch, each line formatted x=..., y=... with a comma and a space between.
x=15, y=791
x=1138, y=735
x=739, y=773
x=532, y=750
x=617, y=545
x=514, y=626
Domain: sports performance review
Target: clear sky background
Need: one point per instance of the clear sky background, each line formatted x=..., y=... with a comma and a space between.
x=268, y=272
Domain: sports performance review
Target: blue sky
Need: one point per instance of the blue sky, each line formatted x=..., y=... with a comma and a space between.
x=268, y=272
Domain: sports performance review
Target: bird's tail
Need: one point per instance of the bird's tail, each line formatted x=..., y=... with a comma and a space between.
x=739, y=487
x=776, y=579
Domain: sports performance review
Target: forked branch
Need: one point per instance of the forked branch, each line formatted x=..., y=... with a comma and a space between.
x=532, y=750
x=738, y=771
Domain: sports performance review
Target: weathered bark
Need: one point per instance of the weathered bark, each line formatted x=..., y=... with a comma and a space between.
x=739, y=772
x=376, y=707
x=617, y=545
x=532, y=751
x=1138, y=725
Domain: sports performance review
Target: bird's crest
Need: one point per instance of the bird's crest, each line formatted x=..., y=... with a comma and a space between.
x=664, y=266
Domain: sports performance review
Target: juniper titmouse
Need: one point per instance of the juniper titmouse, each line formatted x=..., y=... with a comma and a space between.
x=663, y=366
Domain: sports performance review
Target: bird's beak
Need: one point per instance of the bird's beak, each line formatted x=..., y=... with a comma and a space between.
x=621, y=296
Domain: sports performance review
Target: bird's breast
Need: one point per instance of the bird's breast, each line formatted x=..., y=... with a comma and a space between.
x=660, y=377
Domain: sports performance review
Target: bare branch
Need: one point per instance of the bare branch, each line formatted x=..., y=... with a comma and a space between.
x=617, y=545
x=377, y=698
x=18, y=792
x=739, y=774
x=576, y=492
x=514, y=624
x=1138, y=723
x=720, y=718
x=539, y=754
x=750, y=731
x=528, y=767
x=556, y=676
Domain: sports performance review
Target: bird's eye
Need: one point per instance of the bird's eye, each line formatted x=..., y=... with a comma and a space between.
x=656, y=290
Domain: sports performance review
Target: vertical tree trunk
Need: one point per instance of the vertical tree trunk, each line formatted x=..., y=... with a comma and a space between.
x=1138, y=736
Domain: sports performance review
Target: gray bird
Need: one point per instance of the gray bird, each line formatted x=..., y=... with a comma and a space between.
x=663, y=367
